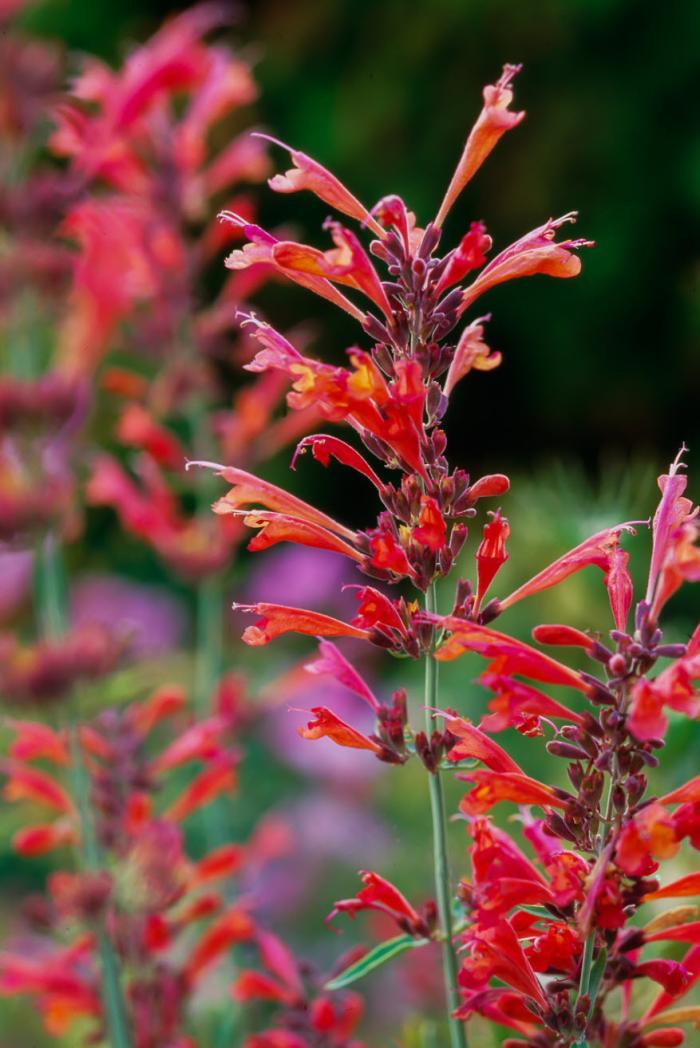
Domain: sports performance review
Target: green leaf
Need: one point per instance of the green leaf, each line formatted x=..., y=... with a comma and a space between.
x=597, y=972
x=386, y=951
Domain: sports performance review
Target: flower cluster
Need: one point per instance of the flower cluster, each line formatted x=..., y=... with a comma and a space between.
x=540, y=944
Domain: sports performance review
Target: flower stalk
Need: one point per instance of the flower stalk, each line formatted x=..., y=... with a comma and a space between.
x=441, y=867
x=51, y=591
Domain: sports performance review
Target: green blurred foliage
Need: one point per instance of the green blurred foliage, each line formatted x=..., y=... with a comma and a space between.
x=384, y=92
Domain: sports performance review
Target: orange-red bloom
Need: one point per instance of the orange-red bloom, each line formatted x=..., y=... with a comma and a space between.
x=490, y=787
x=327, y=725
x=470, y=353
x=493, y=122
x=276, y=619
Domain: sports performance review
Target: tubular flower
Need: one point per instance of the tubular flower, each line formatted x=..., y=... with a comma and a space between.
x=334, y=664
x=379, y=894
x=276, y=619
x=347, y=264
x=309, y=174
x=493, y=122
x=470, y=353
x=327, y=725
x=513, y=656
x=599, y=549
x=490, y=787
x=536, y=252
x=491, y=554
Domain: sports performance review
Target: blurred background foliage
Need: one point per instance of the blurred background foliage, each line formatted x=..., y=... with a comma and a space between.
x=603, y=371
x=384, y=93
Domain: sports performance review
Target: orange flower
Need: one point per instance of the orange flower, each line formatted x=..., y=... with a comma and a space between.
x=514, y=656
x=493, y=122
x=276, y=619
x=471, y=352
x=536, y=252
x=326, y=725
x=346, y=264
x=309, y=174
x=490, y=787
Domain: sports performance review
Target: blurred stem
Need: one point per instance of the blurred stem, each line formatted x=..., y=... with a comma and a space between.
x=443, y=889
x=116, y=1021
x=51, y=597
x=50, y=587
x=209, y=641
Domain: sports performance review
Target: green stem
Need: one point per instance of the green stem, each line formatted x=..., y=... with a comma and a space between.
x=443, y=890
x=112, y=995
x=51, y=599
x=50, y=583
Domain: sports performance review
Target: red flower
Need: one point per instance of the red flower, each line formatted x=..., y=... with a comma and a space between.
x=490, y=787
x=469, y=254
x=514, y=656
x=333, y=663
x=599, y=549
x=379, y=894
x=326, y=725
x=491, y=554
x=648, y=836
x=472, y=743
x=324, y=447
x=276, y=619
x=495, y=953
x=431, y=530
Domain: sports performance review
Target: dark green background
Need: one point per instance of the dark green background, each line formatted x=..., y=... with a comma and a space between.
x=384, y=94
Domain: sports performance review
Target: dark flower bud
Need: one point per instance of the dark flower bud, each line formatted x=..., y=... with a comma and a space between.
x=458, y=537
x=431, y=239
x=619, y=798
x=671, y=651
x=566, y=749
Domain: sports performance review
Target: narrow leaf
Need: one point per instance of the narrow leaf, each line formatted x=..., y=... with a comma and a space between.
x=385, y=951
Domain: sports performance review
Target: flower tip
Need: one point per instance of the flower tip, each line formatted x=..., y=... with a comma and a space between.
x=203, y=464
x=232, y=217
x=270, y=138
x=510, y=71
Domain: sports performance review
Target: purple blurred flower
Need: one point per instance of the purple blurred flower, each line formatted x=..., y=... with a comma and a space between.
x=325, y=828
x=301, y=577
x=16, y=574
x=151, y=619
